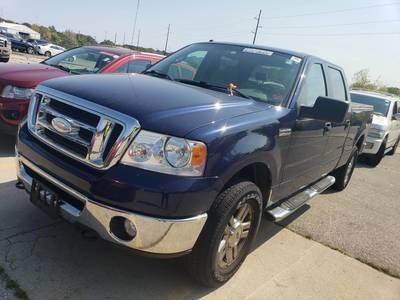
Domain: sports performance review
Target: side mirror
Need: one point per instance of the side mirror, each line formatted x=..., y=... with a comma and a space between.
x=326, y=109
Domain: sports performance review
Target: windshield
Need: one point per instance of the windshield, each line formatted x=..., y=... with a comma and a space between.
x=254, y=73
x=381, y=106
x=81, y=60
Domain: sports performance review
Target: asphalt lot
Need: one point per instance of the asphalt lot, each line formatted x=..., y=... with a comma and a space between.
x=361, y=221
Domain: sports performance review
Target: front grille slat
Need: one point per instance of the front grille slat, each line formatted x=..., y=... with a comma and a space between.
x=92, y=137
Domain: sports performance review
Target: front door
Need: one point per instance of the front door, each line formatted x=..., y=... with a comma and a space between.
x=394, y=128
x=304, y=163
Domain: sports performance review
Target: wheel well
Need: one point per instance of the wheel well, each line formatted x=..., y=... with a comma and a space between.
x=360, y=142
x=259, y=174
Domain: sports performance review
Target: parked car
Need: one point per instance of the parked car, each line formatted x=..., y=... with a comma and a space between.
x=384, y=136
x=18, y=44
x=173, y=166
x=49, y=49
x=5, y=49
x=17, y=81
x=37, y=42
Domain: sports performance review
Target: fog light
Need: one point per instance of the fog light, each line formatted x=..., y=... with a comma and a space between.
x=130, y=228
x=122, y=229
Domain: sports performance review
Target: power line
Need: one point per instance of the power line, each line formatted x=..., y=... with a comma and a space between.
x=334, y=34
x=257, y=27
x=334, y=11
x=335, y=25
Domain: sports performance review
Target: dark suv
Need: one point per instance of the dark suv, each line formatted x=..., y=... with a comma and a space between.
x=185, y=159
x=19, y=44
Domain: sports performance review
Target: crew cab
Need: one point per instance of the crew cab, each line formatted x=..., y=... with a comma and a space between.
x=185, y=158
x=17, y=81
x=384, y=135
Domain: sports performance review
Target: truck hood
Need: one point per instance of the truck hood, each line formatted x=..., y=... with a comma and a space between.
x=27, y=75
x=159, y=105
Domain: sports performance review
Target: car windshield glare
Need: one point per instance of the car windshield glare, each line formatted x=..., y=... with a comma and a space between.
x=259, y=74
x=81, y=60
x=381, y=106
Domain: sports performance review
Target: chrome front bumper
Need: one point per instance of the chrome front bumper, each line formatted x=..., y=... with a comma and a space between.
x=154, y=235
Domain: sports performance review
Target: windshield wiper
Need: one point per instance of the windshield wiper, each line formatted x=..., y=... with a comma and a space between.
x=206, y=85
x=157, y=74
x=63, y=68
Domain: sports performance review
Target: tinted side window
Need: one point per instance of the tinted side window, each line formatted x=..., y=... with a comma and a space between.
x=337, y=86
x=313, y=87
x=122, y=69
x=138, y=66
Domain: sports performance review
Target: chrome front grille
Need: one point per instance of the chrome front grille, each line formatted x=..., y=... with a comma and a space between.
x=85, y=131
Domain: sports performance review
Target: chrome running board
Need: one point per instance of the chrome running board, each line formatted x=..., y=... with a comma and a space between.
x=292, y=204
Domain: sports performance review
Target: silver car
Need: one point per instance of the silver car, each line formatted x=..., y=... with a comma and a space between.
x=384, y=135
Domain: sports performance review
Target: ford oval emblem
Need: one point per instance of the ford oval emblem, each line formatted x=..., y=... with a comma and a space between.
x=61, y=125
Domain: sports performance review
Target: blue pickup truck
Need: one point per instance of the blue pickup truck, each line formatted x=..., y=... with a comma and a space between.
x=184, y=159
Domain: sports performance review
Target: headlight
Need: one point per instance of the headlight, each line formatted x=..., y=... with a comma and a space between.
x=166, y=154
x=13, y=92
x=376, y=133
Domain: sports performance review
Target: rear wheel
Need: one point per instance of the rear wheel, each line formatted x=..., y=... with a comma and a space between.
x=30, y=50
x=343, y=174
x=4, y=59
x=47, y=53
x=226, y=239
x=393, y=151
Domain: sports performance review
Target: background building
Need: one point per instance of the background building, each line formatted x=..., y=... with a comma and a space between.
x=24, y=31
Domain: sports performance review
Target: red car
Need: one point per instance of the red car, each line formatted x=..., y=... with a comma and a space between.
x=17, y=81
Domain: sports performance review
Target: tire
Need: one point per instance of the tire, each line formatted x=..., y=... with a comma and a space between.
x=374, y=159
x=30, y=50
x=344, y=173
x=47, y=53
x=4, y=60
x=212, y=261
x=393, y=151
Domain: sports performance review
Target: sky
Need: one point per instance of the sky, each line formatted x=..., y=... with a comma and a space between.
x=355, y=34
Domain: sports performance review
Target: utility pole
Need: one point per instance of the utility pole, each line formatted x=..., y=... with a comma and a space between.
x=134, y=22
x=115, y=38
x=123, y=43
x=257, y=26
x=138, y=40
x=166, y=42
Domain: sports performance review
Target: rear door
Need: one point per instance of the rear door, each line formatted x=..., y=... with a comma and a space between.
x=308, y=139
x=336, y=132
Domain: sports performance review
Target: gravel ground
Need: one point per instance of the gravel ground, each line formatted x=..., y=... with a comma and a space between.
x=361, y=221
x=6, y=294
x=23, y=58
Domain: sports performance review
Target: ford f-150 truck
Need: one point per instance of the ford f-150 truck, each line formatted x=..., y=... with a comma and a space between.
x=185, y=158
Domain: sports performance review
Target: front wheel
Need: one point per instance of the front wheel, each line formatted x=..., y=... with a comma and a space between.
x=393, y=151
x=344, y=173
x=30, y=50
x=226, y=239
x=374, y=159
x=47, y=53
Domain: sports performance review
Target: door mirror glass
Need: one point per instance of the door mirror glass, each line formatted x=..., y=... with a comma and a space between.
x=326, y=109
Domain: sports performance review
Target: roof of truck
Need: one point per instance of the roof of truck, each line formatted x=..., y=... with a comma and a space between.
x=274, y=49
x=385, y=96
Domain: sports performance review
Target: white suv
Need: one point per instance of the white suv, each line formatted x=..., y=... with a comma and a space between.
x=49, y=49
x=384, y=135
